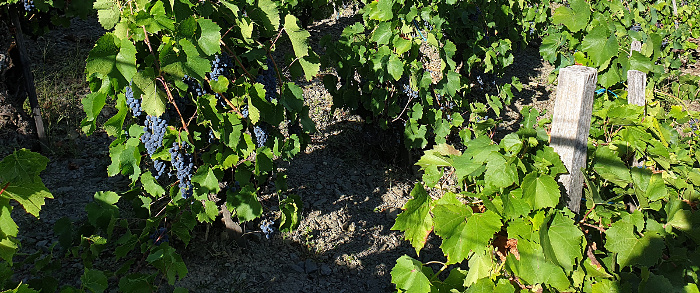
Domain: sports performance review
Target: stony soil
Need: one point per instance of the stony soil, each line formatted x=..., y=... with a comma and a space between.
x=351, y=185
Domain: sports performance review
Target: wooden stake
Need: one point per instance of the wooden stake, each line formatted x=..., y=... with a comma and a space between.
x=635, y=46
x=29, y=82
x=570, y=127
x=636, y=87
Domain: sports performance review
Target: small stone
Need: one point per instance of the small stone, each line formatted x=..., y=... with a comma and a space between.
x=296, y=268
x=319, y=186
x=310, y=266
x=326, y=270
x=293, y=256
x=41, y=243
x=319, y=202
x=392, y=213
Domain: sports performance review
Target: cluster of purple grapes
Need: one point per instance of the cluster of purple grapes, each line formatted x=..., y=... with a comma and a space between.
x=260, y=132
x=235, y=188
x=636, y=27
x=212, y=137
x=183, y=164
x=266, y=229
x=28, y=5
x=475, y=16
x=193, y=87
x=427, y=25
x=406, y=88
x=269, y=80
x=160, y=167
x=159, y=236
x=220, y=66
x=244, y=111
x=694, y=125
x=154, y=132
x=134, y=104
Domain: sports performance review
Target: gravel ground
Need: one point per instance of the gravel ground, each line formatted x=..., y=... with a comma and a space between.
x=350, y=181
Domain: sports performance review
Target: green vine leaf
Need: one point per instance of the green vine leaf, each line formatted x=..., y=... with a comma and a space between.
x=415, y=221
x=562, y=242
x=575, y=18
x=480, y=266
x=94, y=280
x=381, y=10
x=126, y=59
x=210, y=38
x=107, y=13
x=610, y=167
x=541, y=191
x=22, y=166
x=245, y=203
x=410, y=275
x=600, y=46
x=645, y=251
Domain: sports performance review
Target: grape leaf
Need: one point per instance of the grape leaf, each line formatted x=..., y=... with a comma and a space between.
x=395, y=66
x=540, y=191
x=94, y=280
x=22, y=166
x=645, y=251
x=382, y=34
x=533, y=267
x=484, y=285
x=151, y=102
x=30, y=195
x=410, y=275
x=514, y=205
x=605, y=286
x=205, y=181
x=151, y=186
x=381, y=10
x=291, y=208
x=126, y=59
x=107, y=13
x=451, y=224
x=600, y=45
x=8, y=247
x=196, y=65
x=292, y=97
x=297, y=36
x=115, y=124
x=272, y=15
x=562, y=242
x=102, y=57
x=480, y=265
x=8, y=227
x=499, y=174
x=210, y=38
x=245, y=203
x=103, y=208
x=415, y=221
x=611, y=167
x=574, y=18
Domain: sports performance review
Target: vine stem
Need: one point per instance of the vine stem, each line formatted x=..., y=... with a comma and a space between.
x=601, y=229
x=165, y=85
x=3, y=189
x=237, y=60
x=404, y=110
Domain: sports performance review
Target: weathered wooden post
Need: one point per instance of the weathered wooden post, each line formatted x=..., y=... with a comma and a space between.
x=636, y=87
x=636, y=81
x=570, y=126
